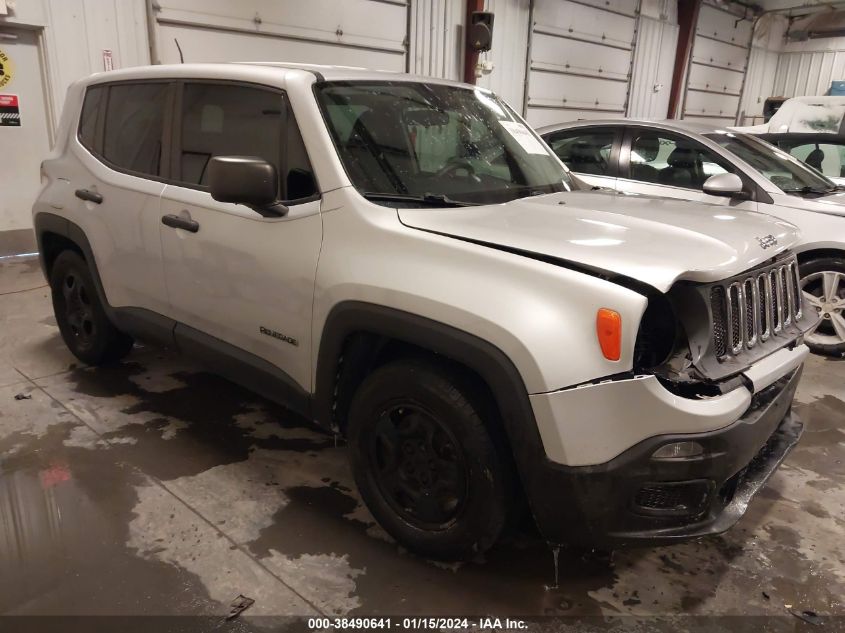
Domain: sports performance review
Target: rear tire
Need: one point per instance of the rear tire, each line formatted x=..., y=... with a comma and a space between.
x=84, y=326
x=425, y=463
x=823, y=283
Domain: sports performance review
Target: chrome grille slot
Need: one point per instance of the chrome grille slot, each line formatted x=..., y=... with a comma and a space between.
x=718, y=307
x=795, y=284
x=764, y=298
x=752, y=312
x=752, y=309
x=788, y=301
x=735, y=317
x=777, y=301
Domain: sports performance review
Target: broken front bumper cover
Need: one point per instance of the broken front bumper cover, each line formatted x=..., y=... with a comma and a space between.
x=635, y=499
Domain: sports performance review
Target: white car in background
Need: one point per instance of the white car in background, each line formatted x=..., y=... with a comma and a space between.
x=693, y=161
x=804, y=115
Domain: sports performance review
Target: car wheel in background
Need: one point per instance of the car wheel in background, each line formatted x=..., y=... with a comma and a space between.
x=823, y=285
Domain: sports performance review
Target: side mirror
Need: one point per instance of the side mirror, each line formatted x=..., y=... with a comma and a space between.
x=246, y=180
x=725, y=185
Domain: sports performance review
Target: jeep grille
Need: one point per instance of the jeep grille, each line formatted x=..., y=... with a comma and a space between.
x=751, y=309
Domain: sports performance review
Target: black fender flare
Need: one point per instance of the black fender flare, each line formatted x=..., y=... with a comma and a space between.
x=482, y=357
x=51, y=223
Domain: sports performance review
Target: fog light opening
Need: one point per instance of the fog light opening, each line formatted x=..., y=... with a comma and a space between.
x=678, y=450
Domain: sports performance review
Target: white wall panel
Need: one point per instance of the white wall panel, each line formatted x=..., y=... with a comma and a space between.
x=762, y=64
x=368, y=33
x=510, y=51
x=654, y=57
x=437, y=38
x=74, y=34
x=807, y=68
x=759, y=85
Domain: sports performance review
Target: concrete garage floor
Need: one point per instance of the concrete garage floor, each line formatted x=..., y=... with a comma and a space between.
x=156, y=488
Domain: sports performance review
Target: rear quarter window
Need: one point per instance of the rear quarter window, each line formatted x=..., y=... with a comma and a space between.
x=132, y=135
x=94, y=99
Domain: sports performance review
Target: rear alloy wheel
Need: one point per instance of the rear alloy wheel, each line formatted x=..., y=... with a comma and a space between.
x=823, y=287
x=425, y=460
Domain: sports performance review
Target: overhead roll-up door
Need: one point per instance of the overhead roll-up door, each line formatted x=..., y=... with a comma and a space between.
x=717, y=65
x=368, y=33
x=580, y=59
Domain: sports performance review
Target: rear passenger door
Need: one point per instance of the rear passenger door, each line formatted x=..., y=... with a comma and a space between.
x=242, y=284
x=591, y=153
x=113, y=189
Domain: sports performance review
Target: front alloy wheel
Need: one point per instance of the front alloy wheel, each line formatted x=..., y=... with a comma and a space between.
x=824, y=292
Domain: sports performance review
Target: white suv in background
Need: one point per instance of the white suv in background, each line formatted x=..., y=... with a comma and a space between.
x=406, y=263
x=694, y=161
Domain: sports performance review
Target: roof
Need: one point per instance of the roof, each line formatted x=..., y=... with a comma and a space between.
x=351, y=73
x=695, y=127
x=320, y=72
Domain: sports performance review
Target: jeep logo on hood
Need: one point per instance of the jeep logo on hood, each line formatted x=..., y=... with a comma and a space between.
x=767, y=241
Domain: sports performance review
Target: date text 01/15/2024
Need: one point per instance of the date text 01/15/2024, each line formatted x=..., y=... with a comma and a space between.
x=419, y=623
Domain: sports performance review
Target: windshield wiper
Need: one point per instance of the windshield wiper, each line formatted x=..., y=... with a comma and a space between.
x=430, y=199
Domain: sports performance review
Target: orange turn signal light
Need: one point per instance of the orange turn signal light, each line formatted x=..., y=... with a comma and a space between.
x=609, y=331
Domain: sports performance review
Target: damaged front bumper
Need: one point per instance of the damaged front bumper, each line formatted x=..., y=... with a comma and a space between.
x=637, y=499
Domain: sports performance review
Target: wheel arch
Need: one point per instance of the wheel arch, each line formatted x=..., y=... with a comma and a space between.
x=820, y=253
x=359, y=336
x=55, y=234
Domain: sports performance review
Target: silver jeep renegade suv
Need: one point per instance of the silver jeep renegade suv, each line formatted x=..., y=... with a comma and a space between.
x=405, y=262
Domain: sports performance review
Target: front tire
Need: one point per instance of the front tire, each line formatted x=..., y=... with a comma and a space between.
x=823, y=286
x=425, y=462
x=83, y=323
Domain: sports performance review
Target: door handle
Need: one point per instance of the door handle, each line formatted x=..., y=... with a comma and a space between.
x=174, y=221
x=89, y=196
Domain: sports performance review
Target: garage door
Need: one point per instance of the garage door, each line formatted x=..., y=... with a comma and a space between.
x=717, y=65
x=580, y=59
x=368, y=33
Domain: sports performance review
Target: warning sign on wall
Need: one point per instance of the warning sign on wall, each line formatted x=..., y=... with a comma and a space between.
x=10, y=112
x=7, y=69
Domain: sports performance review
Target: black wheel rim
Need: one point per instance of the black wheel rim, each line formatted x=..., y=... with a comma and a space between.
x=78, y=310
x=418, y=467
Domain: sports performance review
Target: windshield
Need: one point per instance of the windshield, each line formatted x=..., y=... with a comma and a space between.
x=414, y=142
x=784, y=171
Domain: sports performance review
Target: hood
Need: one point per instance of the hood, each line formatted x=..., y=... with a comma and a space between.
x=653, y=240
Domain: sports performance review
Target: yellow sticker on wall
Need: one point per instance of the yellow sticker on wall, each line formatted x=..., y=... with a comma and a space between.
x=7, y=69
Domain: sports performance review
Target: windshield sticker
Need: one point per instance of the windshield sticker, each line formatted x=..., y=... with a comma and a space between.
x=524, y=137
